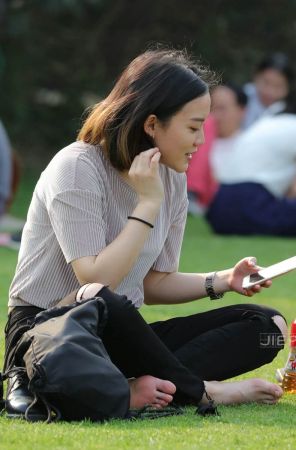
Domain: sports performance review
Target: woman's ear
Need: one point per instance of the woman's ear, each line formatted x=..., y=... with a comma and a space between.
x=149, y=125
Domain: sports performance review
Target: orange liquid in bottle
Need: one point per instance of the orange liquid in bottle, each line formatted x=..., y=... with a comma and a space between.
x=289, y=376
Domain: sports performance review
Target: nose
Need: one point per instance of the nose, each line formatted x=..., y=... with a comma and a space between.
x=199, y=138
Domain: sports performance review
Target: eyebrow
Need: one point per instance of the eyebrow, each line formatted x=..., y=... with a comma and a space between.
x=197, y=119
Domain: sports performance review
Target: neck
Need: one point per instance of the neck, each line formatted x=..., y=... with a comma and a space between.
x=227, y=134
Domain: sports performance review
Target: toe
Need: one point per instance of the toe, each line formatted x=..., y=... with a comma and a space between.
x=164, y=397
x=160, y=403
x=166, y=386
x=278, y=391
x=269, y=401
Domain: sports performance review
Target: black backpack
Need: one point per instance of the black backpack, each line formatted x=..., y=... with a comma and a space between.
x=68, y=367
x=70, y=371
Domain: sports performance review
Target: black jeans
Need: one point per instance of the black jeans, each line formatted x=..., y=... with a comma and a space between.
x=214, y=345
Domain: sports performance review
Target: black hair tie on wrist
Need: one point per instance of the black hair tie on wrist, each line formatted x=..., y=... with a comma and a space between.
x=141, y=220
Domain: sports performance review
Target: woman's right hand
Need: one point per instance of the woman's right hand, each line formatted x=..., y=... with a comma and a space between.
x=145, y=178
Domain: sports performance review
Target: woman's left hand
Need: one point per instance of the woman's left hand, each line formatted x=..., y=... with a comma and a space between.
x=243, y=268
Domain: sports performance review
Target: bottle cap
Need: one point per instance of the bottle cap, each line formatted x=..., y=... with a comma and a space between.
x=293, y=334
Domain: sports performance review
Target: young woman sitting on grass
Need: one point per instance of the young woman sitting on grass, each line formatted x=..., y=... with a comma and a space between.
x=110, y=210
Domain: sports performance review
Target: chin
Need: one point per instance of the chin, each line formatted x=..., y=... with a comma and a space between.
x=180, y=169
x=183, y=170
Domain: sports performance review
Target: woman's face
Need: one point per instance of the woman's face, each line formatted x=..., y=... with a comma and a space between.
x=271, y=86
x=178, y=139
x=227, y=112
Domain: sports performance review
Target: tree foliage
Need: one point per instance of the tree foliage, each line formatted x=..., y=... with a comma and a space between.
x=58, y=56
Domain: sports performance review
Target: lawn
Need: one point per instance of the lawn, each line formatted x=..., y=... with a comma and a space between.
x=242, y=427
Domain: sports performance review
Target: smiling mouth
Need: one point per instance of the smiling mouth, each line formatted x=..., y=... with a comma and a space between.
x=189, y=155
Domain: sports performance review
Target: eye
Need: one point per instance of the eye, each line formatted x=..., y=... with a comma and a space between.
x=194, y=130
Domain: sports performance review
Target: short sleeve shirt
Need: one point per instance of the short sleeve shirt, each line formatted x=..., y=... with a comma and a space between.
x=79, y=206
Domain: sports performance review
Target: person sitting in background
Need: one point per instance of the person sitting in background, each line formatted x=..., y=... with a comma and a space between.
x=273, y=78
x=5, y=169
x=201, y=186
x=265, y=96
x=222, y=129
x=258, y=193
x=10, y=236
x=228, y=110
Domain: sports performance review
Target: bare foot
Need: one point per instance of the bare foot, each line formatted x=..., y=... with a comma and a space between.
x=236, y=392
x=152, y=391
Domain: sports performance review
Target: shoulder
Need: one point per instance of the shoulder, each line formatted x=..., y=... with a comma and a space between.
x=285, y=119
x=284, y=126
x=73, y=155
x=77, y=166
x=75, y=171
x=273, y=132
x=277, y=125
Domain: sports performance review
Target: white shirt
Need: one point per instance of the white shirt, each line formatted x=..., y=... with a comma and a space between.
x=265, y=154
x=221, y=155
x=255, y=109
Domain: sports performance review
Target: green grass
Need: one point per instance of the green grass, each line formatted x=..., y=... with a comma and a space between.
x=241, y=427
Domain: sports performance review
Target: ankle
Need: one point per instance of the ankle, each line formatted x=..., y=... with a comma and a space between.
x=207, y=405
x=209, y=392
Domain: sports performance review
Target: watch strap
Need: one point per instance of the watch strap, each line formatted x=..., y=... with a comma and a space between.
x=209, y=286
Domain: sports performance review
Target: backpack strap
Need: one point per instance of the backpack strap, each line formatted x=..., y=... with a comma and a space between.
x=53, y=414
x=149, y=412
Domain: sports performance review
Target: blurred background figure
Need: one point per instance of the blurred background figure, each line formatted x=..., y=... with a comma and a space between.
x=5, y=169
x=209, y=165
x=258, y=190
x=45, y=106
x=228, y=111
x=272, y=80
x=10, y=235
x=234, y=108
x=201, y=185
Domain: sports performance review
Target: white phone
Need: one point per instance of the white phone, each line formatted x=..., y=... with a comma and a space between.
x=270, y=272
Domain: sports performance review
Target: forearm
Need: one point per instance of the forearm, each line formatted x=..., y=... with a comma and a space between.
x=176, y=287
x=115, y=261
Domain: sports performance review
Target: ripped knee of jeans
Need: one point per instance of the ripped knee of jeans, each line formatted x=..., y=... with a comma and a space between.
x=281, y=323
x=89, y=290
x=271, y=334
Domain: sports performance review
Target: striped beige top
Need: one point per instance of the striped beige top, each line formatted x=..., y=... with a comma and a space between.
x=79, y=206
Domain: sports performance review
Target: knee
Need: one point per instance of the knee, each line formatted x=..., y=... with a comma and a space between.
x=271, y=328
x=282, y=325
x=117, y=304
x=274, y=338
x=270, y=319
x=89, y=290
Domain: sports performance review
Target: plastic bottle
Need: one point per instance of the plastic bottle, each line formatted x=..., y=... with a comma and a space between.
x=289, y=373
